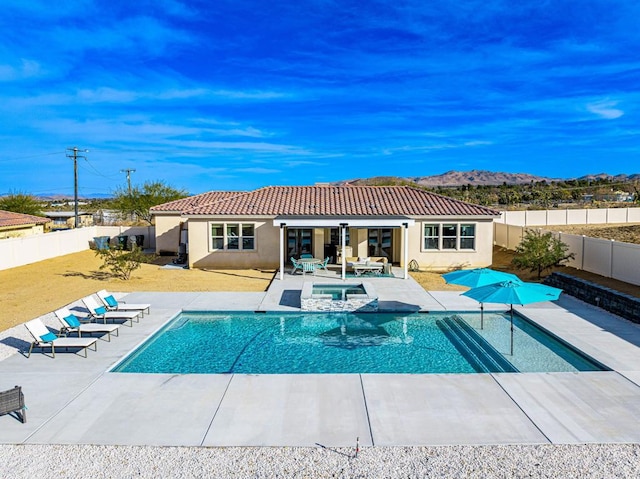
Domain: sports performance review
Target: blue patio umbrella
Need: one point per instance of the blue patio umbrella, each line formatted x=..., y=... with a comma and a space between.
x=511, y=292
x=474, y=278
x=478, y=277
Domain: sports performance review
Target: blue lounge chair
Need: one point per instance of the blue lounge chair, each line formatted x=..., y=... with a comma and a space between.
x=72, y=324
x=43, y=338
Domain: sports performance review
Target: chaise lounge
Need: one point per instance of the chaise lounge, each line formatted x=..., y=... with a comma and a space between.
x=96, y=311
x=43, y=338
x=112, y=304
x=71, y=324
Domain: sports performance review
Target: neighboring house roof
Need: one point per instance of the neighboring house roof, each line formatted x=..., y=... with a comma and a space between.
x=9, y=218
x=331, y=201
x=64, y=214
x=192, y=201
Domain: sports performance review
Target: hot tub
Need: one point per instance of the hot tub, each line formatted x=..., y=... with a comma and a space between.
x=338, y=297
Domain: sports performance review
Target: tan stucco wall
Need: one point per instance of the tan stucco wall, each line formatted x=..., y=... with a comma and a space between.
x=266, y=254
x=438, y=260
x=167, y=232
x=21, y=231
x=267, y=250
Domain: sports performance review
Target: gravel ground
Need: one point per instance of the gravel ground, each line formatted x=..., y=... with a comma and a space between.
x=535, y=461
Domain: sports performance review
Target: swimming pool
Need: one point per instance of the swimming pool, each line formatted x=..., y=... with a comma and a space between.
x=276, y=343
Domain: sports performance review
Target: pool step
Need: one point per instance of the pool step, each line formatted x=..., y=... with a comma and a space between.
x=482, y=355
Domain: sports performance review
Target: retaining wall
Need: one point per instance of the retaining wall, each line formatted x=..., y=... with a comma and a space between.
x=615, y=302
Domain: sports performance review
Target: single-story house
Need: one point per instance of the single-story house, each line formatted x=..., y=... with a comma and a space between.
x=13, y=225
x=67, y=219
x=266, y=227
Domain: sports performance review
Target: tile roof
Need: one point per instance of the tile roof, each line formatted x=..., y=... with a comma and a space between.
x=9, y=218
x=192, y=201
x=330, y=201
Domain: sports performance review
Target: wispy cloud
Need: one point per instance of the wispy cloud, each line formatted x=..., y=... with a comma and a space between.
x=605, y=109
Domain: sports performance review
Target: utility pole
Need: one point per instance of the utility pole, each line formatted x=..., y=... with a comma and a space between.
x=73, y=153
x=128, y=171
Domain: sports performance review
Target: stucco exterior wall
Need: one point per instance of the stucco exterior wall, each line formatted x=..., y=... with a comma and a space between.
x=266, y=254
x=167, y=232
x=444, y=260
x=21, y=231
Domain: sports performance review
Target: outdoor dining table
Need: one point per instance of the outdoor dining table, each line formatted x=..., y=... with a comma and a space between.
x=309, y=264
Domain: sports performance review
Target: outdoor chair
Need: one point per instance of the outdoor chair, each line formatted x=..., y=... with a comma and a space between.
x=72, y=324
x=98, y=312
x=12, y=400
x=306, y=255
x=43, y=338
x=296, y=266
x=323, y=265
x=112, y=304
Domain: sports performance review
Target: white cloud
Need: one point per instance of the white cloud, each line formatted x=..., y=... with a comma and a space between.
x=605, y=109
x=25, y=69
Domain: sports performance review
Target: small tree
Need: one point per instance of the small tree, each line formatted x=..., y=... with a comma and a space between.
x=21, y=203
x=139, y=200
x=540, y=251
x=121, y=262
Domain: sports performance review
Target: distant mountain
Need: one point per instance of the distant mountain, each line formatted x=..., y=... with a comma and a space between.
x=476, y=177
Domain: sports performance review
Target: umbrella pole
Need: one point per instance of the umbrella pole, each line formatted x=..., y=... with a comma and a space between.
x=481, y=315
x=512, y=330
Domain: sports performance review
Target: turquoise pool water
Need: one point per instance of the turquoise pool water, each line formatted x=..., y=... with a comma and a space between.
x=338, y=291
x=251, y=343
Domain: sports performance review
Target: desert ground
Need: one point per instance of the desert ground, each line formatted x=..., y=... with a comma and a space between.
x=33, y=290
x=627, y=233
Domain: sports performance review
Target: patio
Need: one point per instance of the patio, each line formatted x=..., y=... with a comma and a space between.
x=73, y=400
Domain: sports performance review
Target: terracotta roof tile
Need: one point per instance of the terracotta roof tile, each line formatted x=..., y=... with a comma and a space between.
x=8, y=218
x=330, y=201
x=192, y=201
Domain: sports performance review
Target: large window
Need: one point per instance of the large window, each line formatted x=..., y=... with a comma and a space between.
x=449, y=236
x=233, y=236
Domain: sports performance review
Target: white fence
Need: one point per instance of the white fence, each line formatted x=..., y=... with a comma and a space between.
x=612, y=259
x=30, y=249
x=570, y=217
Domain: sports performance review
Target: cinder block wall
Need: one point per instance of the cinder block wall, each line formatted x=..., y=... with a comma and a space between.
x=615, y=302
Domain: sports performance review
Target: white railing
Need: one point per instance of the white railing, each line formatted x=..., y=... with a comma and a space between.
x=612, y=259
x=30, y=249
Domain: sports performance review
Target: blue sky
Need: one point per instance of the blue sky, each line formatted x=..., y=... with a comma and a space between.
x=236, y=94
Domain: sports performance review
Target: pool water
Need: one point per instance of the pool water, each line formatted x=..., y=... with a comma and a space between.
x=251, y=343
x=338, y=291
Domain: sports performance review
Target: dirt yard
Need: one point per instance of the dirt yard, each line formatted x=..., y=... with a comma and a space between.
x=33, y=290
x=30, y=291
x=627, y=233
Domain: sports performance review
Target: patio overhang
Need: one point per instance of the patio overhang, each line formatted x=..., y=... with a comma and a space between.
x=338, y=221
x=344, y=222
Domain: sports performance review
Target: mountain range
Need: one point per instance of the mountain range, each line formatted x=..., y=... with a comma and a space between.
x=480, y=177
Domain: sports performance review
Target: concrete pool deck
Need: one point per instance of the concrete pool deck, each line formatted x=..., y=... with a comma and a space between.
x=73, y=400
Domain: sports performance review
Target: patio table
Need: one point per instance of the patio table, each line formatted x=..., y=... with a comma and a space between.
x=309, y=265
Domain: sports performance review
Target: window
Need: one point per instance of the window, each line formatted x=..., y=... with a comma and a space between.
x=431, y=235
x=449, y=236
x=233, y=236
x=467, y=236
